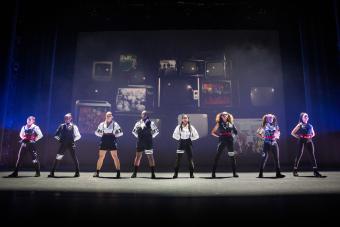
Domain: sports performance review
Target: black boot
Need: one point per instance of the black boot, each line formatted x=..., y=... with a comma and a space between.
x=279, y=175
x=260, y=173
x=14, y=174
x=37, y=169
x=191, y=168
x=316, y=173
x=134, y=174
x=295, y=172
x=118, y=174
x=175, y=174
x=213, y=173
x=233, y=166
x=153, y=176
x=55, y=164
x=96, y=174
x=76, y=174
x=234, y=172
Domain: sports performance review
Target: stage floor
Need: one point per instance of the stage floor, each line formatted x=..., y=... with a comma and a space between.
x=201, y=186
x=164, y=200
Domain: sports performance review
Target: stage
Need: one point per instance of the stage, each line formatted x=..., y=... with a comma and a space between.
x=201, y=186
x=189, y=200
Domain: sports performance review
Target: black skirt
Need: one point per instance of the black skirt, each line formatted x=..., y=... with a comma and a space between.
x=108, y=142
x=144, y=143
x=183, y=144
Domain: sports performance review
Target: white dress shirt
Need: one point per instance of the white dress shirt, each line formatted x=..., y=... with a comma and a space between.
x=112, y=128
x=185, y=133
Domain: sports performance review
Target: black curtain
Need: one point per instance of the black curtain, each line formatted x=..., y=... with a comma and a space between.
x=319, y=52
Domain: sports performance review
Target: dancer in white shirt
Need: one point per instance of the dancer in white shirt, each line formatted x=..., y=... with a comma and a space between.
x=29, y=134
x=67, y=134
x=109, y=131
x=185, y=133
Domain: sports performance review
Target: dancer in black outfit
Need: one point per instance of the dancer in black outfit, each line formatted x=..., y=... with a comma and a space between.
x=270, y=133
x=304, y=132
x=29, y=134
x=109, y=131
x=145, y=130
x=67, y=133
x=185, y=133
x=224, y=130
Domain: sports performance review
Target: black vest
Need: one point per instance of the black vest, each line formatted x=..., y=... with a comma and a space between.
x=225, y=130
x=305, y=129
x=146, y=131
x=66, y=133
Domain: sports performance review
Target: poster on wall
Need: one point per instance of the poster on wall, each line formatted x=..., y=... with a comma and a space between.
x=127, y=62
x=246, y=141
x=131, y=99
x=215, y=93
x=89, y=113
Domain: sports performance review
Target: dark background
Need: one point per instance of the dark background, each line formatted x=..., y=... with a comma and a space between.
x=39, y=53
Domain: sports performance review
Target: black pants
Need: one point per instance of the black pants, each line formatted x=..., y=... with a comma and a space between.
x=186, y=146
x=310, y=148
x=229, y=144
x=274, y=148
x=61, y=152
x=30, y=148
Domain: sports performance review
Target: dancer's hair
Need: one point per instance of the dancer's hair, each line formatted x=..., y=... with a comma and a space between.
x=230, y=117
x=181, y=125
x=264, y=119
x=301, y=116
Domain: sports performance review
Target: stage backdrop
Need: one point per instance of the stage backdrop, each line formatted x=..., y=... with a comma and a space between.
x=199, y=72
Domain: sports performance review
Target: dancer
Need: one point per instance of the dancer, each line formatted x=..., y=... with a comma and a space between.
x=67, y=133
x=109, y=131
x=270, y=133
x=29, y=134
x=224, y=130
x=185, y=133
x=145, y=130
x=304, y=132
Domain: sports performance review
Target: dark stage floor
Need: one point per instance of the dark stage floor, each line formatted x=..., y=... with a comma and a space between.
x=182, y=200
